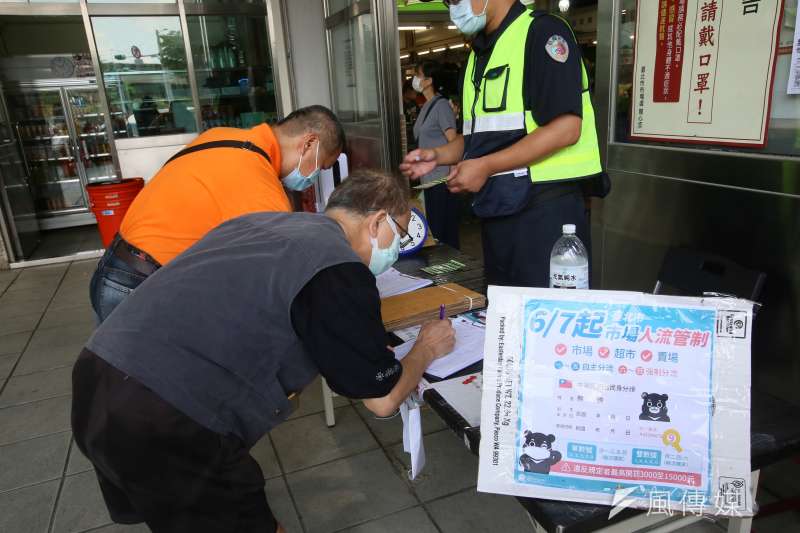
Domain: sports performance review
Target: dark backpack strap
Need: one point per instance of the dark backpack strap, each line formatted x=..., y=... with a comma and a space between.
x=430, y=108
x=244, y=145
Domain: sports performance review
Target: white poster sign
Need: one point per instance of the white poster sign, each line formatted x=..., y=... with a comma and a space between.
x=793, y=86
x=703, y=70
x=587, y=393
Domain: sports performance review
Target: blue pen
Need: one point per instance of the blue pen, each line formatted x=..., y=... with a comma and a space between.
x=441, y=312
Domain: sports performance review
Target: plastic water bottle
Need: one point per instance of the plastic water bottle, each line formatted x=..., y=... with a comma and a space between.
x=569, y=262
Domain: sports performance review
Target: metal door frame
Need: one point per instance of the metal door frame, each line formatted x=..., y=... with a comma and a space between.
x=387, y=58
x=8, y=228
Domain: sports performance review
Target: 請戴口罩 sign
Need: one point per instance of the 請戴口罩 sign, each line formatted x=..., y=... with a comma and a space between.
x=590, y=392
x=703, y=70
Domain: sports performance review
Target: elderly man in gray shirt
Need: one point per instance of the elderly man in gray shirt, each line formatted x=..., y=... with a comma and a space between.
x=185, y=376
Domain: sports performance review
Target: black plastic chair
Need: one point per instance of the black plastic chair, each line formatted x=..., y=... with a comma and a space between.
x=693, y=273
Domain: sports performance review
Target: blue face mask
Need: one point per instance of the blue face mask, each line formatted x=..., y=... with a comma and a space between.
x=295, y=181
x=382, y=259
x=465, y=20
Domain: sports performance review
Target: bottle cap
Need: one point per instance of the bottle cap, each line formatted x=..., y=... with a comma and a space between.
x=568, y=229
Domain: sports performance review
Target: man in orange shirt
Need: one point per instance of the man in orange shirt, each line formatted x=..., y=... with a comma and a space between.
x=223, y=174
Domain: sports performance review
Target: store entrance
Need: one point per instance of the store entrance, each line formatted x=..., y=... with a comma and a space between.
x=54, y=139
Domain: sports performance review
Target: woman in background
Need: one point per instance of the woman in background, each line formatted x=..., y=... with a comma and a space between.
x=436, y=126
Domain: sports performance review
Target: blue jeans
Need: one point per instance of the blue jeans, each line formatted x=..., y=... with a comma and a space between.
x=112, y=282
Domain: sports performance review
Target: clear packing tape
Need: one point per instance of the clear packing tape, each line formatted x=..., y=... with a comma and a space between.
x=618, y=398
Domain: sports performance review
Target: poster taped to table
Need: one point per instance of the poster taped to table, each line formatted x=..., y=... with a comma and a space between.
x=703, y=70
x=588, y=395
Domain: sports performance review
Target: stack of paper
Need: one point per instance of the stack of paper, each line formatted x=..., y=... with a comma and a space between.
x=393, y=282
x=414, y=308
x=468, y=350
x=464, y=395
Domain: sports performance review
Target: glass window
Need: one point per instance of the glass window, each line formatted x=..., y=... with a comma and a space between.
x=783, y=128
x=125, y=1
x=233, y=70
x=230, y=2
x=143, y=60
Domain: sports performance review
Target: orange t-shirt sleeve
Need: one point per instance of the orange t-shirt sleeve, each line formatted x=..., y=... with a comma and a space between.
x=195, y=193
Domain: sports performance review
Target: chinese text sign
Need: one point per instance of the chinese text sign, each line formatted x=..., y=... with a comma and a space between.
x=703, y=70
x=593, y=392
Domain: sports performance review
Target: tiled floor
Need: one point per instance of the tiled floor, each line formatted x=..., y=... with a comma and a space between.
x=350, y=478
x=67, y=241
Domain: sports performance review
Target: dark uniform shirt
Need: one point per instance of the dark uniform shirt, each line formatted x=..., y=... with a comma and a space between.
x=337, y=316
x=550, y=88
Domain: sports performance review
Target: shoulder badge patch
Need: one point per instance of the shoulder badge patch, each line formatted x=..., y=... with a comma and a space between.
x=557, y=48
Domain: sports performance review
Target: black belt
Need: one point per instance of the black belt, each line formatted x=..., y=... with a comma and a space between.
x=550, y=191
x=135, y=258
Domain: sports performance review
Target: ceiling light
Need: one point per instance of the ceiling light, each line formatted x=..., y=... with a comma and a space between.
x=437, y=50
x=423, y=53
x=563, y=5
x=406, y=56
x=594, y=42
x=413, y=28
x=454, y=46
x=632, y=37
x=452, y=27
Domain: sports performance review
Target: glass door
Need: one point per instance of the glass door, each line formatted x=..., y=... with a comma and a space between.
x=40, y=123
x=363, y=55
x=16, y=196
x=91, y=140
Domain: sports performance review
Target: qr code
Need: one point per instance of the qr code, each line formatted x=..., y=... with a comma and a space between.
x=732, y=324
x=732, y=496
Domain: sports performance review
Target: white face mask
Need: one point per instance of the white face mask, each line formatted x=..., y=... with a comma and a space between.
x=381, y=259
x=465, y=19
x=416, y=84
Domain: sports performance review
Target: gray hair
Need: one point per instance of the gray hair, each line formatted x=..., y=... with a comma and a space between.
x=367, y=191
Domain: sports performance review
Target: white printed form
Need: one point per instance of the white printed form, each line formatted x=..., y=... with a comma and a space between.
x=794, y=69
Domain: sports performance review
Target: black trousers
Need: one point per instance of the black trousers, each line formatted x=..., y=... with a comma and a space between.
x=443, y=211
x=156, y=465
x=516, y=248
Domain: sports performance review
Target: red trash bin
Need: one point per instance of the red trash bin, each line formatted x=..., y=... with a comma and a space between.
x=110, y=201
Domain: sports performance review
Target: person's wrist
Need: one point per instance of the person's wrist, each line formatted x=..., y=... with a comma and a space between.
x=435, y=155
x=488, y=164
x=427, y=353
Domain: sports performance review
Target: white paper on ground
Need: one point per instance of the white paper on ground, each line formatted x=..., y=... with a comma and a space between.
x=392, y=282
x=464, y=395
x=412, y=435
x=468, y=349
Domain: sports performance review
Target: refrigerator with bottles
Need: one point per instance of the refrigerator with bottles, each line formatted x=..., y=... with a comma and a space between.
x=61, y=130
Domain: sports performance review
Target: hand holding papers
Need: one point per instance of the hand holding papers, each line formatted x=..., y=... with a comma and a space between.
x=433, y=183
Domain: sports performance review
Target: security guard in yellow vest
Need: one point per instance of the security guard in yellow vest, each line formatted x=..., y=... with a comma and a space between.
x=529, y=142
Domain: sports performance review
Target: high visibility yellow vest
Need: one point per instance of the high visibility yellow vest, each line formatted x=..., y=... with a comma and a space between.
x=495, y=116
